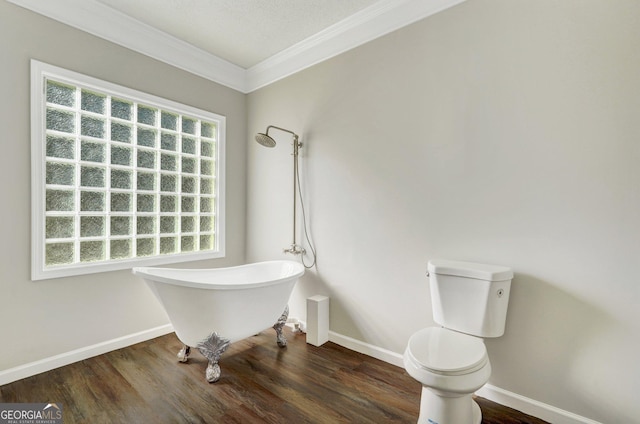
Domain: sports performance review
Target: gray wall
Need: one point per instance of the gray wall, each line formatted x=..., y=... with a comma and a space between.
x=498, y=131
x=45, y=318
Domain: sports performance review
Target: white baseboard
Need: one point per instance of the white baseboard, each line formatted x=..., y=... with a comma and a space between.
x=531, y=406
x=504, y=397
x=367, y=349
x=47, y=364
x=495, y=394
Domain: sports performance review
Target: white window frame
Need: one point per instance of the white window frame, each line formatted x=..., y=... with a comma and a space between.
x=40, y=73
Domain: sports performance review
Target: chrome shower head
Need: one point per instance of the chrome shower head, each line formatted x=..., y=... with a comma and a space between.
x=265, y=140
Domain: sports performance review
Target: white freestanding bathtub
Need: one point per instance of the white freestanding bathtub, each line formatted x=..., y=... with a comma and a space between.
x=210, y=308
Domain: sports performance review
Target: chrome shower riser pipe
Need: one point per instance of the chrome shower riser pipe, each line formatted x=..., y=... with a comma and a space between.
x=294, y=249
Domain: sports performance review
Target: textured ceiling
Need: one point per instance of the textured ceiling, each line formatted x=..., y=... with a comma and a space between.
x=243, y=32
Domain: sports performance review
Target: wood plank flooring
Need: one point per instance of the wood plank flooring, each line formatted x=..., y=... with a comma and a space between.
x=260, y=383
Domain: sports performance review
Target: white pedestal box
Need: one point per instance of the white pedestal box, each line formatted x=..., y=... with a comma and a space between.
x=317, y=320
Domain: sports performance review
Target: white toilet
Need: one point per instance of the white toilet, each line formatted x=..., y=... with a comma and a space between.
x=470, y=302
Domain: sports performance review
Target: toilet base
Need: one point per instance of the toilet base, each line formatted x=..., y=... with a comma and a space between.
x=437, y=407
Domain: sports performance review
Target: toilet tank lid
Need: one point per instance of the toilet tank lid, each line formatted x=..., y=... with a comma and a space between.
x=470, y=270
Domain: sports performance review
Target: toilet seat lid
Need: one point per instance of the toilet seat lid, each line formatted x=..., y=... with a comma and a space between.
x=448, y=352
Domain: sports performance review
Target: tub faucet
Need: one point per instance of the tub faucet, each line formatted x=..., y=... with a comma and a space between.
x=295, y=250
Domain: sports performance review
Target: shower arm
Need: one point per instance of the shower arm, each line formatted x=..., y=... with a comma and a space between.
x=281, y=129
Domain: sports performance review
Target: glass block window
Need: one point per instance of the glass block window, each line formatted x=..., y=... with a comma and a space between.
x=120, y=178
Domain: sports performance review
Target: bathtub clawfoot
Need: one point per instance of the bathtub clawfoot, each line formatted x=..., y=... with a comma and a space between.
x=211, y=348
x=280, y=338
x=213, y=372
x=183, y=355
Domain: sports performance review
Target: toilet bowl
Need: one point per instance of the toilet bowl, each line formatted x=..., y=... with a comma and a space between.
x=469, y=301
x=450, y=366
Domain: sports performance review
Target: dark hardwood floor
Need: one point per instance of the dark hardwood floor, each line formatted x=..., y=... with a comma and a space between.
x=260, y=383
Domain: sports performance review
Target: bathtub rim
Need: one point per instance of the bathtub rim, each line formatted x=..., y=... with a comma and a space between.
x=144, y=272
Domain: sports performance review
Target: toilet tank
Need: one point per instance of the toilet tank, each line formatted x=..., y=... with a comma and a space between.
x=468, y=297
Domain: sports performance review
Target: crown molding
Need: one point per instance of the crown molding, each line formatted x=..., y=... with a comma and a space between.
x=375, y=21
x=112, y=25
x=102, y=21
